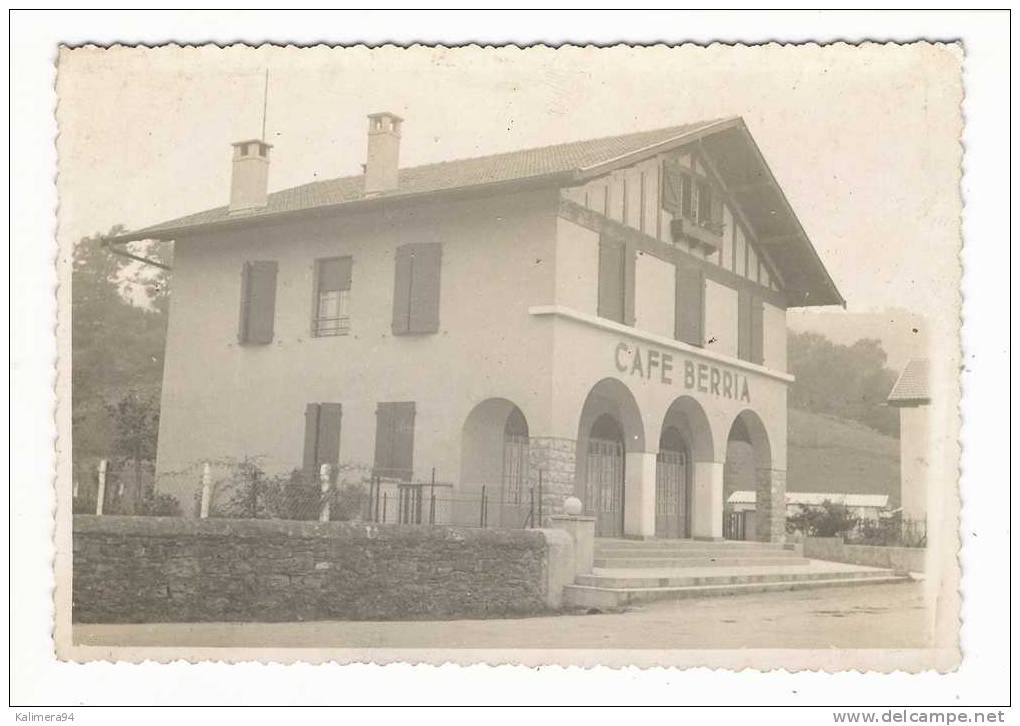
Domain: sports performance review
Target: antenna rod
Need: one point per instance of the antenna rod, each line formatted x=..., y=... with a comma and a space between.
x=265, y=105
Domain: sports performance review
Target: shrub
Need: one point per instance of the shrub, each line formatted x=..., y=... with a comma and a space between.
x=827, y=520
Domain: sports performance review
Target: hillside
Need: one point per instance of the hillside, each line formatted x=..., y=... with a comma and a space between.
x=828, y=454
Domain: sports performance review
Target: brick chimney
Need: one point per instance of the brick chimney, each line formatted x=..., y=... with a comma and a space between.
x=383, y=153
x=249, y=180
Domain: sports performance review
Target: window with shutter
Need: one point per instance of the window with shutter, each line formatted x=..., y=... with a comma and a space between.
x=612, y=279
x=744, y=325
x=690, y=305
x=672, y=187
x=394, y=440
x=416, y=288
x=331, y=314
x=258, y=303
x=750, y=327
x=322, y=437
x=757, y=330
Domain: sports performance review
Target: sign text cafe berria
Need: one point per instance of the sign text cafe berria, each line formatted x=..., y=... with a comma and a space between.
x=668, y=369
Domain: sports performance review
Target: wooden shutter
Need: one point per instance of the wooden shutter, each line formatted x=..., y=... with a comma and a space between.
x=757, y=333
x=402, y=290
x=311, y=455
x=425, y=277
x=612, y=271
x=394, y=440
x=672, y=187
x=629, y=282
x=717, y=209
x=690, y=305
x=258, y=302
x=744, y=325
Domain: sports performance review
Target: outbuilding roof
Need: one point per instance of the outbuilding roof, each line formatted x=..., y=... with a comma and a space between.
x=875, y=501
x=911, y=388
x=725, y=142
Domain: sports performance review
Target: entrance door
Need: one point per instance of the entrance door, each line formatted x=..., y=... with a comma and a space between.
x=671, y=494
x=672, y=486
x=605, y=477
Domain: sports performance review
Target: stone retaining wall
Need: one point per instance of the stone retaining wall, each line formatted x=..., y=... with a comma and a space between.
x=901, y=559
x=153, y=569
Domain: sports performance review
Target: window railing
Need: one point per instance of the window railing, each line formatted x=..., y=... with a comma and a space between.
x=326, y=327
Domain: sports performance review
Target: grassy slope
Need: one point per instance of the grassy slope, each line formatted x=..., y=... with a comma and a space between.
x=828, y=454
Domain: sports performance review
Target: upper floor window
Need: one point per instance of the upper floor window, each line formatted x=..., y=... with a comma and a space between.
x=258, y=303
x=332, y=297
x=416, y=288
x=616, y=280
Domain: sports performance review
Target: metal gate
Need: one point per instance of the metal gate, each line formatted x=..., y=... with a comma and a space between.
x=671, y=494
x=605, y=486
x=515, y=468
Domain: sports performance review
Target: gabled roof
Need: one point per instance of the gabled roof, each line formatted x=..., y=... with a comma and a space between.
x=725, y=142
x=911, y=388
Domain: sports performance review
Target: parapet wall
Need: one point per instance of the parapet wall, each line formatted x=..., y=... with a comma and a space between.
x=901, y=559
x=154, y=569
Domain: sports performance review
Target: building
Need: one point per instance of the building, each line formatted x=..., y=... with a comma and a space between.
x=911, y=396
x=741, y=508
x=608, y=315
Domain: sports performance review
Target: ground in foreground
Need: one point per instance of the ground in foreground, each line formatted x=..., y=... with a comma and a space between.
x=873, y=616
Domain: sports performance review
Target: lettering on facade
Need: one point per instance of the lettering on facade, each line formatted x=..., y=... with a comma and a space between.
x=670, y=369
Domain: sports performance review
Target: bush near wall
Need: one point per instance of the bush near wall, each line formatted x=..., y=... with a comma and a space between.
x=153, y=569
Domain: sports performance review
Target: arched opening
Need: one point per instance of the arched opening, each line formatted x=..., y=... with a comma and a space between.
x=609, y=428
x=686, y=437
x=748, y=457
x=516, y=468
x=495, y=453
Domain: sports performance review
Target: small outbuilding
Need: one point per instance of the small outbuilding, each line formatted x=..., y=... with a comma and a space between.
x=911, y=396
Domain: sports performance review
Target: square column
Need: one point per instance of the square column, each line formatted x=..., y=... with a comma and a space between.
x=639, y=495
x=707, y=500
x=556, y=458
x=770, y=503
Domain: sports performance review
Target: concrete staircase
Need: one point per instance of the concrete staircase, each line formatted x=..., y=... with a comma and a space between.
x=628, y=572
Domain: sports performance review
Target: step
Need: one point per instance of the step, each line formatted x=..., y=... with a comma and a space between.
x=670, y=544
x=705, y=561
x=604, y=597
x=610, y=579
x=691, y=552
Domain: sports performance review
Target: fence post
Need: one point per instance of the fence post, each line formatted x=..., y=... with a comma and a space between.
x=324, y=477
x=432, y=498
x=206, y=490
x=531, y=506
x=101, y=487
x=384, y=497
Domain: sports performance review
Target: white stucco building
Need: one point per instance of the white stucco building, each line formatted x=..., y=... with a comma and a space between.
x=609, y=314
x=911, y=396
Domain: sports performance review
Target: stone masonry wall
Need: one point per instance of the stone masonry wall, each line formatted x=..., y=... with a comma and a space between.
x=770, y=505
x=556, y=458
x=151, y=569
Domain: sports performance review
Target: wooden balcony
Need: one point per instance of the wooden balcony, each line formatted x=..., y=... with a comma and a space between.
x=705, y=235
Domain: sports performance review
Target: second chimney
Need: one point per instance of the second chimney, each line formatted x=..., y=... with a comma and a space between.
x=383, y=153
x=249, y=181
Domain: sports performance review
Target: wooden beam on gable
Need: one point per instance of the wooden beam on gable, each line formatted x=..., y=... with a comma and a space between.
x=737, y=209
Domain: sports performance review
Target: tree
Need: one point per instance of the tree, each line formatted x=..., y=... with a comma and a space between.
x=848, y=381
x=118, y=327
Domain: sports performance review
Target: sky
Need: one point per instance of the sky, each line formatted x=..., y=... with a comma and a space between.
x=862, y=139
